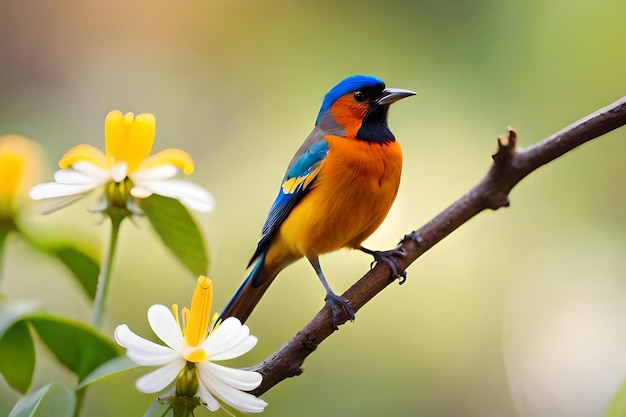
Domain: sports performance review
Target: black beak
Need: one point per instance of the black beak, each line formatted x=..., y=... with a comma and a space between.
x=391, y=95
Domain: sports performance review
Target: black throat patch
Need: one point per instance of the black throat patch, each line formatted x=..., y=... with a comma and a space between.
x=374, y=127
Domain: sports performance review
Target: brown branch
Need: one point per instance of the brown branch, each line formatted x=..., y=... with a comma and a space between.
x=510, y=166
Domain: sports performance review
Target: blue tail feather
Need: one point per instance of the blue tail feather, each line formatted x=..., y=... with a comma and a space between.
x=249, y=292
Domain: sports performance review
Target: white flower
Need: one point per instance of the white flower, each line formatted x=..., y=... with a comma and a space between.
x=127, y=165
x=192, y=343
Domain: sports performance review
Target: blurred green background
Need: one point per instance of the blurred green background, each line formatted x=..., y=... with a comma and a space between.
x=519, y=313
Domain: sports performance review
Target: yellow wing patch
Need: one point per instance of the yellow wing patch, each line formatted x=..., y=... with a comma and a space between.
x=292, y=185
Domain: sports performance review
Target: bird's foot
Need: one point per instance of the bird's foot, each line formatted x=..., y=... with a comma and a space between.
x=415, y=236
x=332, y=301
x=389, y=257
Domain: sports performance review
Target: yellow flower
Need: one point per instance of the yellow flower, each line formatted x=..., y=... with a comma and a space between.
x=192, y=352
x=126, y=171
x=19, y=166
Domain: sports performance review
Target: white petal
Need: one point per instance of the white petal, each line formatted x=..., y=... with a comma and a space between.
x=98, y=174
x=57, y=203
x=159, y=379
x=241, y=348
x=242, y=401
x=202, y=202
x=69, y=176
x=210, y=402
x=119, y=171
x=230, y=340
x=142, y=351
x=162, y=172
x=165, y=327
x=191, y=195
x=53, y=190
x=139, y=192
x=240, y=379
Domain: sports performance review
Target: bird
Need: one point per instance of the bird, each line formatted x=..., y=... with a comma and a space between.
x=337, y=190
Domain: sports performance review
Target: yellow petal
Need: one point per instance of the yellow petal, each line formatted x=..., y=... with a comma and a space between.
x=83, y=153
x=173, y=156
x=129, y=138
x=140, y=140
x=115, y=134
x=197, y=326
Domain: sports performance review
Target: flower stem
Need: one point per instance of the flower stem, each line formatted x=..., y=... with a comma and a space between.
x=3, y=237
x=105, y=271
x=179, y=411
x=80, y=396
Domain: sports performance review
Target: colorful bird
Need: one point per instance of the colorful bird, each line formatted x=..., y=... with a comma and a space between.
x=337, y=190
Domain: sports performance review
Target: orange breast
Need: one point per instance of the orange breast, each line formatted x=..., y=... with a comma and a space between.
x=348, y=201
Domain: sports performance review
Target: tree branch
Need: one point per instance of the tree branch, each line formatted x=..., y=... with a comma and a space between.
x=510, y=166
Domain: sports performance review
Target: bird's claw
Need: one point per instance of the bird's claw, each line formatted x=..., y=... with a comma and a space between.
x=415, y=236
x=396, y=269
x=389, y=258
x=333, y=300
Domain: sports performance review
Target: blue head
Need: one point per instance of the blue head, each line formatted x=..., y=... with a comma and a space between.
x=348, y=85
x=357, y=108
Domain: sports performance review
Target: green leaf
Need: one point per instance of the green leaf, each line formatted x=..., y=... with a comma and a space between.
x=12, y=311
x=17, y=356
x=18, y=374
x=52, y=400
x=76, y=345
x=112, y=367
x=178, y=231
x=84, y=268
x=618, y=405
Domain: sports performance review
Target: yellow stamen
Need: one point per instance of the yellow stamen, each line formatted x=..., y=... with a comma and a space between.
x=129, y=138
x=197, y=327
x=216, y=322
x=185, y=318
x=176, y=157
x=175, y=314
x=85, y=153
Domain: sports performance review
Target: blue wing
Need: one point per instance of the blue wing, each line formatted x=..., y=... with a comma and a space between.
x=298, y=179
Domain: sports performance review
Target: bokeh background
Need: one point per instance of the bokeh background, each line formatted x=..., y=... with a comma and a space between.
x=521, y=312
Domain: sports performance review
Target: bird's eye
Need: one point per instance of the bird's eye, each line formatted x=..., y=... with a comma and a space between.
x=360, y=96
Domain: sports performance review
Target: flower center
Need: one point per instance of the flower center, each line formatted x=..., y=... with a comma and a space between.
x=118, y=196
